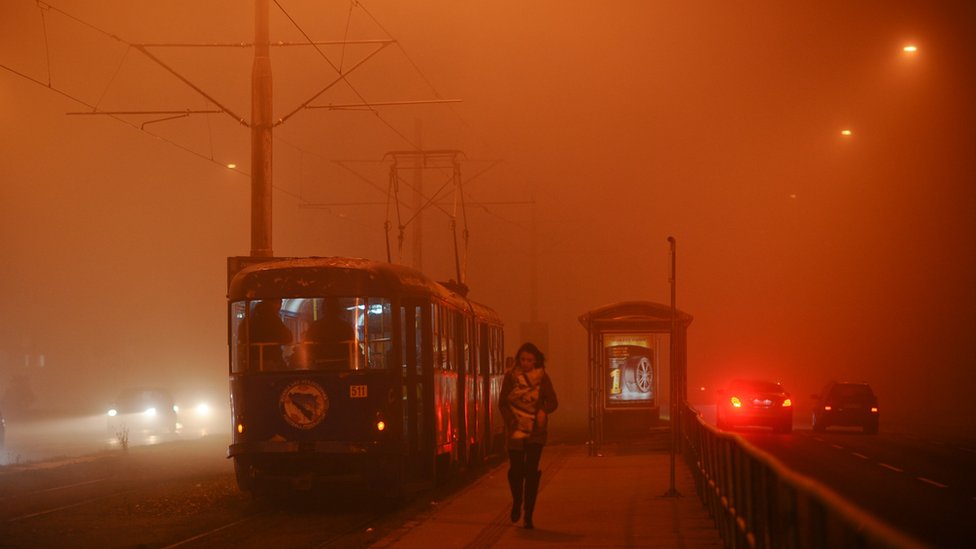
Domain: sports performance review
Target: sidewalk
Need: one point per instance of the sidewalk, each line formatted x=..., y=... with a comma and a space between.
x=616, y=500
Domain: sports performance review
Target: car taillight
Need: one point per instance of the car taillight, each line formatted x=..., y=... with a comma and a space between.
x=736, y=403
x=828, y=408
x=787, y=403
x=874, y=409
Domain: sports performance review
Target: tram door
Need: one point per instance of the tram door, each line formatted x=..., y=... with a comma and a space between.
x=417, y=416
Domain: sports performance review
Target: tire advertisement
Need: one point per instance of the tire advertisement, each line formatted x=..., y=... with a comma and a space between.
x=631, y=366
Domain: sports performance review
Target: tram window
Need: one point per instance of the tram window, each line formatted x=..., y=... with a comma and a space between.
x=324, y=333
x=343, y=333
x=449, y=330
x=379, y=333
x=439, y=337
x=470, y=362
x=434, y=336
x=237, y=343
x=259, y=335
x=402, y=359
x=418, y=339
x=331, y=339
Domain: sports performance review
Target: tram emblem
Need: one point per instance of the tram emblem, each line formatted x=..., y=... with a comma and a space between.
x=304, y=404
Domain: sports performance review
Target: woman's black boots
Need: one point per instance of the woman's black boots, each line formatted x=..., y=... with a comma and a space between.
x=531, y=491
x=515, y=482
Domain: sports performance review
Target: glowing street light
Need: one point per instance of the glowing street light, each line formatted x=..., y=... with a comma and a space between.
x=910, y=49
x=846, y=133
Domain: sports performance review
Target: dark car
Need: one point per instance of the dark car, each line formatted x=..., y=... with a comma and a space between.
x=754, y=403
x=846, y=404
x=142, y=410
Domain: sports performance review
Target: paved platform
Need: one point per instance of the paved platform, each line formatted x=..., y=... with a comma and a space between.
x=614, y=500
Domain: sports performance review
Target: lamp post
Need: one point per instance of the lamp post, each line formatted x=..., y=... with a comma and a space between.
x=673, y=381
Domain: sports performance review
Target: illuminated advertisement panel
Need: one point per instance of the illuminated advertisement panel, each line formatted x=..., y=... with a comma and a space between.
x=631, y=366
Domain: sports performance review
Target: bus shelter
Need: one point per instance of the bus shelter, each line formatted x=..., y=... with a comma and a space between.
x=629, y=345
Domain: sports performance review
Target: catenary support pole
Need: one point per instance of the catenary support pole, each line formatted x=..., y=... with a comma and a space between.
x=261, y=131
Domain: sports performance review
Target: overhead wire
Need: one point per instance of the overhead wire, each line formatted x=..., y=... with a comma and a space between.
x=45, y=7
x=47, y=44
x=345, y=36
x=422, y=75
x=343, y=76
x=118, y=118
x=115, y=75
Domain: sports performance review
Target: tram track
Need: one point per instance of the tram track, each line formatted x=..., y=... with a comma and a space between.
x=146, y=503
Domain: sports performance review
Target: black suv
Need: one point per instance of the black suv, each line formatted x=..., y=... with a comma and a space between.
x=846, y=404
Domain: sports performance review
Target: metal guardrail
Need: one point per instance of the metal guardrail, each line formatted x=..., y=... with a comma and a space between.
x=757, y=502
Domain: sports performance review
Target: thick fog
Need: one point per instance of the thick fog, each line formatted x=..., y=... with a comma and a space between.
x=591, y=132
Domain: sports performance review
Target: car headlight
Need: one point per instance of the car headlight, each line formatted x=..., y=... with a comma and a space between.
x=150, y=412
x=113, y=412
x=202, y=409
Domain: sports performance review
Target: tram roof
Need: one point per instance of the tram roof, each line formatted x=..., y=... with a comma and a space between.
x=322, y=276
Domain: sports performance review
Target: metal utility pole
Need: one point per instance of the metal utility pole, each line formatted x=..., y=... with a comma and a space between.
x=675, y=415
x=261, y=134
x=534, y=272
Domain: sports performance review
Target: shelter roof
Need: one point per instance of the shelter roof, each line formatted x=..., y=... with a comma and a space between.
x=633, y=312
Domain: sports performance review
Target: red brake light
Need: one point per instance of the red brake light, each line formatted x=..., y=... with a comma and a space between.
x=874, y=409
x=787, y=403
x=736, y=403
x=828, y=408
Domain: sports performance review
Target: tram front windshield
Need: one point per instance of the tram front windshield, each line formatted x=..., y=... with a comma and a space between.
x=322, y=333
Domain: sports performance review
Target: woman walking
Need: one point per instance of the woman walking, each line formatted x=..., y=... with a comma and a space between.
x=526, y=400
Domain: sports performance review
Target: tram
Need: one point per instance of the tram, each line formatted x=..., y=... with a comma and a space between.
x=354, y=371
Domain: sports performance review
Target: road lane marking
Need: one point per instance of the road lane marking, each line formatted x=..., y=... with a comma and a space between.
x=55, y=489
x=892, y=467
x=66, y=486
x=63, y=507
x=862, y=456
x=932, y=482
x=207, y=533
x=838, y=446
